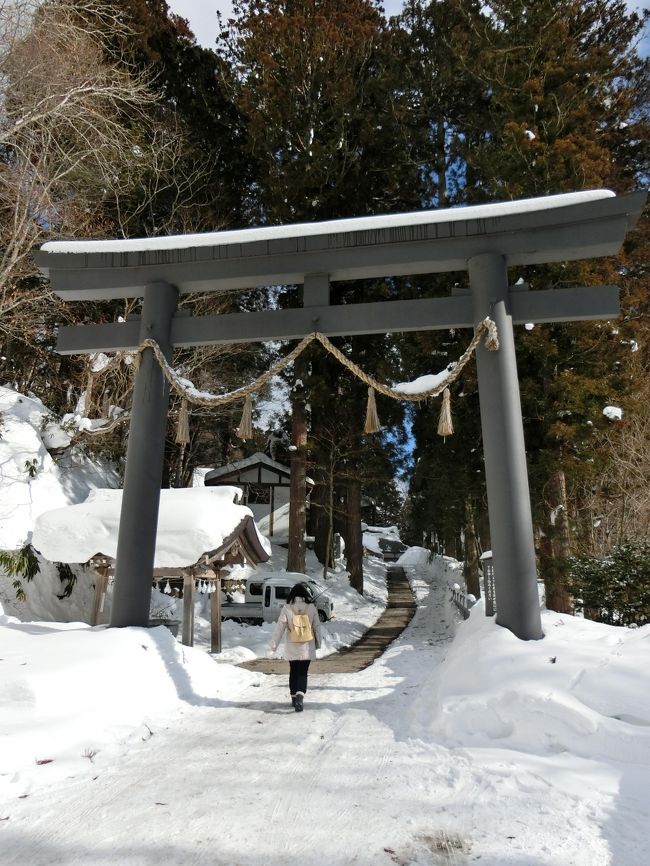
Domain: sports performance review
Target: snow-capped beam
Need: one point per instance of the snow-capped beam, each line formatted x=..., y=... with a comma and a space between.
x=531, y=231
x=427, y=314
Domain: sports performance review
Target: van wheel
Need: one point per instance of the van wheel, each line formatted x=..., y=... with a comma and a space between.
x=321, y=616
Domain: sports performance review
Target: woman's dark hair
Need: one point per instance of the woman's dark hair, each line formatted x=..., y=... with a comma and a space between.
x=300, y=590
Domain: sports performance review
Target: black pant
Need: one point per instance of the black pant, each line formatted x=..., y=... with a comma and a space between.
x=298, y=676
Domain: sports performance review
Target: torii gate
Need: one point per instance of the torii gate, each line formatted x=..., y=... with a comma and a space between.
x=483, y=240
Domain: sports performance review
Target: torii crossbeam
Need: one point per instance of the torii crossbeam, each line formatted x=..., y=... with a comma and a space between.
x=484, y=240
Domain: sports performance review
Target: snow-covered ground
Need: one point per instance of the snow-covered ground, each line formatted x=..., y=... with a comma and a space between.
x=460, y=745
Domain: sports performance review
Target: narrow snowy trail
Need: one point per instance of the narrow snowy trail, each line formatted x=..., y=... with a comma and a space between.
x=346, y=783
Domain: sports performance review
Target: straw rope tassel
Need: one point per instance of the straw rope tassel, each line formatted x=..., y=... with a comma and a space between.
x=183, y=425
x=372, y=424
x=445, y=425
x=245, y=429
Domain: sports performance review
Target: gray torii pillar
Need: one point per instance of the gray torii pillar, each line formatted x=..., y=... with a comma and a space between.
x=136, y=542
x=506, y=474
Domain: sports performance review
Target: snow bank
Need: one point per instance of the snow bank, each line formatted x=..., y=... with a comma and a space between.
x=484, y=748
x=583, y=689
x=43, y=601
x=69, y=691
x=30, y=479
x=280, y=523
x=437, y=566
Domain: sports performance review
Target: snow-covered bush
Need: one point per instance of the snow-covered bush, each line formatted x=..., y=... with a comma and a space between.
x=615, y=590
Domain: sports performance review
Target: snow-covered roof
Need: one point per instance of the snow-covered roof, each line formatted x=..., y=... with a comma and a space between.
x=257, y=459
x=381, y=540
x=191, y=522
x=246, y=463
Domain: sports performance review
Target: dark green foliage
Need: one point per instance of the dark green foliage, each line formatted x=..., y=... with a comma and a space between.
x=558, y=102
x=18, y=564
x=317, y=87
x=616, y=590
x=559, y=77
x=66, y=576
x=448, y=470
x=434, y=45
x=31, y=467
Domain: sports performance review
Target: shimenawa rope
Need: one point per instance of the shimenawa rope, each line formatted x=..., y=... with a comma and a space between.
x=486, y=328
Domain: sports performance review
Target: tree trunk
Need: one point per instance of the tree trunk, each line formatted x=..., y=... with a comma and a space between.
x=180, y=466
x=329, y=535
x=562, y=541
x=472, y=581
x=354, y=536
x=441, y=163
x=298, y=487
x=555, y=547
x=318, y=517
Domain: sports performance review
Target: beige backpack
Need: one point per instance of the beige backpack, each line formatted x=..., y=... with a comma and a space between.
x=300, y=630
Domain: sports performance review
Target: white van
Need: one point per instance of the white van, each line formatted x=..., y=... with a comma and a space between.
x=268, y=593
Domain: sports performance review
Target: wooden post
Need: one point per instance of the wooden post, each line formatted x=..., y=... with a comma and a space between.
x=272, y=503
x=215, y=615
x=101, y=583
x=188, y=609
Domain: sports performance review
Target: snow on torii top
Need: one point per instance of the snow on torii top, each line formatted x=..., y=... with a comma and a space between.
x=549, y=228
x=191, y=521
x=311, y=229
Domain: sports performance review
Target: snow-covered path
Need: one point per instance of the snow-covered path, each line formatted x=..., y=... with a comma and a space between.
x=183, y=795
x=248, y=782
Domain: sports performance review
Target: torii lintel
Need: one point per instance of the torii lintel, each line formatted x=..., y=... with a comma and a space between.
x=531, y=231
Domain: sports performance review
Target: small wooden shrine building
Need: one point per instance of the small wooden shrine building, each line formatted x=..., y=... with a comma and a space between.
x=199, y=533
x=264, y=483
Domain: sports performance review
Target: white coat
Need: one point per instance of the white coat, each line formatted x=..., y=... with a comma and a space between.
x=297, y=651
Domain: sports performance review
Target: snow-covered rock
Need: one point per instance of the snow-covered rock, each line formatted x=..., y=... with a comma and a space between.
x=31, y=480
x=614, y=413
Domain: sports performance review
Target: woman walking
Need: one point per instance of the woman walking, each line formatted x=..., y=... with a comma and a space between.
x=299, y=619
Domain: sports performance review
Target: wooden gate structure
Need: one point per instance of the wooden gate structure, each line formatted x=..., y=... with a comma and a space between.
x=483, y=240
